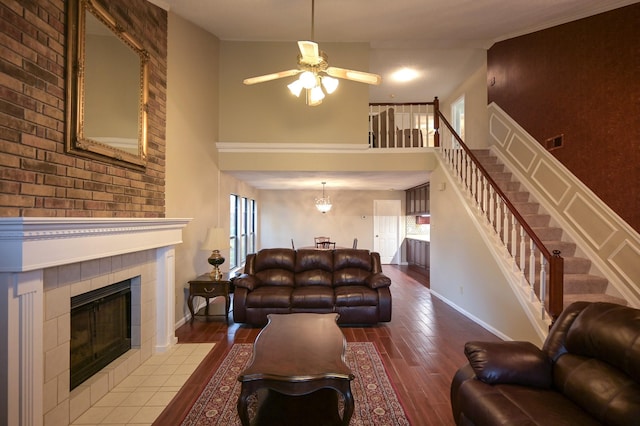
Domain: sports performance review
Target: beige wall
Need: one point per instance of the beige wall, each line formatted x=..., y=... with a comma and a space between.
x=284, y=215
x=474, y=90
x=192, y=126
x=463, y=271
x=334, y=161
x=266, y=112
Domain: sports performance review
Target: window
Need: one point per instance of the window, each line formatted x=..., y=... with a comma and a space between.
x=457, y=112
x=242, y=232
x=234, y=203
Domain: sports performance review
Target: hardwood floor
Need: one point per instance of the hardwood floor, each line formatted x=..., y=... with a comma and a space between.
x=421, y=348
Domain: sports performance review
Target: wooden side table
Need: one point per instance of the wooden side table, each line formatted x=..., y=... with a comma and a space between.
x=205, y=286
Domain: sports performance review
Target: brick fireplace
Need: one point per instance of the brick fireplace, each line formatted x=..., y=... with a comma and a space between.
x=44, y=262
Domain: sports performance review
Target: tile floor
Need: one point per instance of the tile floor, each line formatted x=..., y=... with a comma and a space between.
x=140, y=398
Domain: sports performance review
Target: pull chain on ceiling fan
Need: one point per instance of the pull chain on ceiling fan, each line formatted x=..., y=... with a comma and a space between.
x=316, y=76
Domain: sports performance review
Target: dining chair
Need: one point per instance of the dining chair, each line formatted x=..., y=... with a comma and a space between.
x=322, y=242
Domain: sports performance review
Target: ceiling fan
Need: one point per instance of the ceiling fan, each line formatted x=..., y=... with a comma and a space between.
x=316, y=76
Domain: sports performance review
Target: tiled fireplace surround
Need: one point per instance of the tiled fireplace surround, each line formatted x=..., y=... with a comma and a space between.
x=46, y=261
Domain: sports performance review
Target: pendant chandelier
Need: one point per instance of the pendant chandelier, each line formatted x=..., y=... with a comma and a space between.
x=323, y=204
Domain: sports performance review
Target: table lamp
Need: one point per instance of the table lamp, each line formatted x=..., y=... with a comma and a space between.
x=214, y=241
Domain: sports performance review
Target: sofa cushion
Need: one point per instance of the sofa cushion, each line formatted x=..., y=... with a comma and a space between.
x=357, y=295
x=600, y=388
x=351, y=267
x=308, y=259
x=314, y=267
x=275, y=267
x=610, y=333
x=270, y=297
x=275, y=277
x=312, y=297
x=519, y=363
x=352, y=258
x=518, y=405
x=275, y=258
x=315, y=277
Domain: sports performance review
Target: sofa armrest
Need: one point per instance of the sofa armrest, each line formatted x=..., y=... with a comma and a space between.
x=378, y=280
x=519, y=363
x=250, y=282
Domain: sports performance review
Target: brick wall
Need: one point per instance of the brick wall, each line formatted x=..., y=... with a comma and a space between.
x=37, y=177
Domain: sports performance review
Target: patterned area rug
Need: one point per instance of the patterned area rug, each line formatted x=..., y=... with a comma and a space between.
x=376, y=402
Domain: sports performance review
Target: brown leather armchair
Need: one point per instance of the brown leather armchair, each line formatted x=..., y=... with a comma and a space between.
x=587, y=373
x=279, y=281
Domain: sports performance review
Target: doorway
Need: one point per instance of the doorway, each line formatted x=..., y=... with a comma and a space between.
x=386, y=226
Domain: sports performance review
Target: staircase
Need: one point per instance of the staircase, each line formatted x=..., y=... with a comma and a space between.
x=579, y=283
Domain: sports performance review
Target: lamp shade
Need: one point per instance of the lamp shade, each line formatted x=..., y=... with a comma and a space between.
x=295, y=88
x=215, y=240
x=330, y=84
x=308, y=80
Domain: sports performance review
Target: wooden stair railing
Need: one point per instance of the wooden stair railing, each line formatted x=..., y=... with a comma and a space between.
x=402, y=125
x=507, y=223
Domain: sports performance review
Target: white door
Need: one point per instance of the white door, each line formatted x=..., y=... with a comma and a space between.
x=386, y=224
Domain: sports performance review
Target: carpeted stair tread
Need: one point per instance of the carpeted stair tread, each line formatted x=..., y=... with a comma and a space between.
x=548, y=233
x=493, y=168
x=501, y=177
x=520, y=196
x=537, y=220
x=526, y=207
x=584, y=283
x=508, y=185
x=566, y=248
x=576, y=265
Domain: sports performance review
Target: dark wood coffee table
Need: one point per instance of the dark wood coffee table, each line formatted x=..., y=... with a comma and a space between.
x=297, y=354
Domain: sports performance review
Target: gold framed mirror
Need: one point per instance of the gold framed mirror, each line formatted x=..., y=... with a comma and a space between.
x=107, y=88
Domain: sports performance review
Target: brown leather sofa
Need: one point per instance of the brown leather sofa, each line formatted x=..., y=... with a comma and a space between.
x=349, y=282
x=587, y=373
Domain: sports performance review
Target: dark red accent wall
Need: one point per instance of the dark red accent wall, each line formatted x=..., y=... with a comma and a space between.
x=580, y=80
x=37, y=176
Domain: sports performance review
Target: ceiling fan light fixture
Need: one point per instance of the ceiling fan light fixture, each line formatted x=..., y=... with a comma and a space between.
x=330, y=84
x=308, y=80
x=315, y=75
x=363, y=77
x=316, y=95
x=295, y=88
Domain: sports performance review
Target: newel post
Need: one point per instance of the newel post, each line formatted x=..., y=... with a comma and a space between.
x=556, y=285
x=436, y=122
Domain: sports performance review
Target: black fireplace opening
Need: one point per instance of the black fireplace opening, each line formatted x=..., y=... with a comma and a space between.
x=100, y=329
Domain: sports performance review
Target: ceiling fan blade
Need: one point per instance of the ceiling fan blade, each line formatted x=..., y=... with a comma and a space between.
x=310, y=52
x=359, y=76
x=269, y=77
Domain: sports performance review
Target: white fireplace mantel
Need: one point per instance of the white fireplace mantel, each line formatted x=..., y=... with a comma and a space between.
x=30, y=245
x=26, y=243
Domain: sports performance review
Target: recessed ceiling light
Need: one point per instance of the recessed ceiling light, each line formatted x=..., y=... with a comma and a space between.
x=405, y=74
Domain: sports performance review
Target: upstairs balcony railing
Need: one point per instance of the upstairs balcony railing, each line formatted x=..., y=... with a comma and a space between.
x=541, y=271
x=403, y=125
